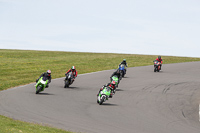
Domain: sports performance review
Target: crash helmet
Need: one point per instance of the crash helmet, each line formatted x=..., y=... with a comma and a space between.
x=113, y=83
x=124, y=60
x=48, y=72
x=73, y=68
x=159, y=57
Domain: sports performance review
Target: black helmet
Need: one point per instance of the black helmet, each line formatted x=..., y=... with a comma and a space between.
x=159, y=57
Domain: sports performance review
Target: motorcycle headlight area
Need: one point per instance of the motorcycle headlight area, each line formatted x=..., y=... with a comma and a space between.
x=43, y=82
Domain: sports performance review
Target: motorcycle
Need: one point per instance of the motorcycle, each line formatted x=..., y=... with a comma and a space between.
x=122, y=69
x=41, y=84
x=157, y=66
x=68, y=80
x=103, y=95
x=116, y=79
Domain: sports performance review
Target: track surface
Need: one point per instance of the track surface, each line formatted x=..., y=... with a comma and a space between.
x=145, y=102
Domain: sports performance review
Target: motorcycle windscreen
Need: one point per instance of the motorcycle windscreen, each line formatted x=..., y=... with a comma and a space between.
x=44, y=78
x=107, y=89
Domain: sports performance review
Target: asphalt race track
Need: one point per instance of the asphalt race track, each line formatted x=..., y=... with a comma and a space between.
x=145, y=102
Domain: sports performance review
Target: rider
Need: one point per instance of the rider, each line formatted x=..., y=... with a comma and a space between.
x=112, y=86
x=118, y=74
x=159, y=59
x=124, y=63
x=47, y=75
x=74, y=72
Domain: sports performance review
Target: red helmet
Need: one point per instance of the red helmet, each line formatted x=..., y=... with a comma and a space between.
x=113, y=83
x=49, y=72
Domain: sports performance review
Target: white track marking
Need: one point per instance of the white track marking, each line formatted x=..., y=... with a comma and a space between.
x=199, y=112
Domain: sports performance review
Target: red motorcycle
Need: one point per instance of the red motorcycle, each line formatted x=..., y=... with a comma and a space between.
x=157, y=66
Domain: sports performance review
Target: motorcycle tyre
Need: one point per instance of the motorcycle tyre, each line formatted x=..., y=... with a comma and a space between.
x=38, y=89
x=66, y=84
x=102, y=100
x=155, y=69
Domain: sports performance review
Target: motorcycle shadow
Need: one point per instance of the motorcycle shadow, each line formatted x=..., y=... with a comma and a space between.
x=109, y=104
x=159, y=72
x=45, y=94
x=119, y=90
x=72, y=87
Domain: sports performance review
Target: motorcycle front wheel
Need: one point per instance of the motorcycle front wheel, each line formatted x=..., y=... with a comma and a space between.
x=38, y=89
x=154, y=68
x=66, y=84
x=102, y=100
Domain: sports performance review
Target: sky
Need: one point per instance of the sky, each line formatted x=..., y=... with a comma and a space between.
x=149, y=27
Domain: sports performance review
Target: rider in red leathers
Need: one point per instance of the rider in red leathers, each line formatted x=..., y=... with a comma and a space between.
x=159, y=59
x=74, y=72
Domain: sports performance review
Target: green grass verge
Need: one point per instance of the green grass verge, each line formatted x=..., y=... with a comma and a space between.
x=19, y=67
x=8, y=125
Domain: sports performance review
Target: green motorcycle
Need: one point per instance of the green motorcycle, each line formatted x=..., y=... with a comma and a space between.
x=103, y=95
x=41, y=84
x=116, y=79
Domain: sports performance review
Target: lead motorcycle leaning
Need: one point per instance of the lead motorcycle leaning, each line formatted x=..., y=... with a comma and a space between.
x=41, y=84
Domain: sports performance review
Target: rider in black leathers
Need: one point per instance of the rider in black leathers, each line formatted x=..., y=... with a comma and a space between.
x=118, y=74
x=47, y=75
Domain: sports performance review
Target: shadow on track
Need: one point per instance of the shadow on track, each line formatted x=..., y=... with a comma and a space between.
x=119, y=90
x=72, y=88
x=44, y=94
x=109, y=104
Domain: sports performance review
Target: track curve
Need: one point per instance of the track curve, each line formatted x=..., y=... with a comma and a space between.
x=145, y=102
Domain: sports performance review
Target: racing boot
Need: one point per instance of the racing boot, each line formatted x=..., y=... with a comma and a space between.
x=47, y=86
x=111, y=94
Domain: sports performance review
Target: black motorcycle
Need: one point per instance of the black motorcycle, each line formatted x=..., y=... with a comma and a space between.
x=69, y=79
x=157, y=66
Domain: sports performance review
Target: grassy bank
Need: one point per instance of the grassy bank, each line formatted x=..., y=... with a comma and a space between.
x=19, y=67
x=8, y=125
